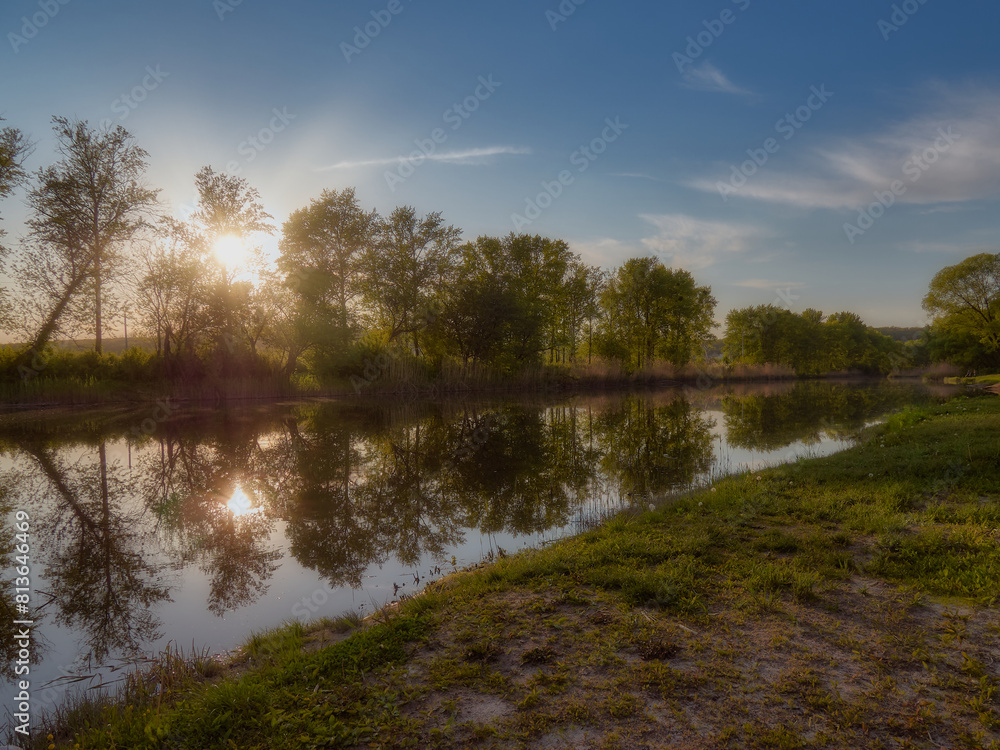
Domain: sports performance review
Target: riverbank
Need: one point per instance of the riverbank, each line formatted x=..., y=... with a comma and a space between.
x=849, y=601
x=43, y=393
x=988, y=382
x=50, y=400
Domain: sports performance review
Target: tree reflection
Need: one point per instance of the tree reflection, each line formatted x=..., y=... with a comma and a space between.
x=654, y=448
x=101, y=570
x=808, y=412
x=237, y=564
x=9, y=648
x=189, y=482
x=325, y=529
x=410, y=488
x=515, y=469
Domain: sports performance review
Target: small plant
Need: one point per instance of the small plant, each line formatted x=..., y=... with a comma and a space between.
x=531, y=700
x=484, y=652
x=538, y=655
x=623, y=706
x=655, y=648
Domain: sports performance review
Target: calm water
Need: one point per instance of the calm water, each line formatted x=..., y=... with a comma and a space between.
x=210, y=525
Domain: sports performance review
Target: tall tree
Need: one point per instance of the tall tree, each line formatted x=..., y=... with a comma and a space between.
x=173, y=292
x=321, y=250
x=85, y=209
x=230, y=209
x=228, y=205
x=476, y=311
x=403, y=271
x=653, y=312
x=538, y=268
x=578, y=303
x=14, y=148
x=965, y=300
x=508, y=300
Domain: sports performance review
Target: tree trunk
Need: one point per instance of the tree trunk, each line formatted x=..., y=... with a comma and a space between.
x=289, y=369
x=52, y=472
x=50, y=324
x=98, y=346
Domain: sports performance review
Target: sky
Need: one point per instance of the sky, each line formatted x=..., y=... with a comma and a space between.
x=810, y=155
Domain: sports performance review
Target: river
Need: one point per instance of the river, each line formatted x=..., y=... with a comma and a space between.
x=195, y=527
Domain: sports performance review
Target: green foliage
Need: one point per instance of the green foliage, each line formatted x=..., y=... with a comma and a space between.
x=807, y=343
x=650, y=312
x=959, y=346
x=321, y=250
x=403, y=270
x=965, y=302
x=131, y=366
x=510, y=299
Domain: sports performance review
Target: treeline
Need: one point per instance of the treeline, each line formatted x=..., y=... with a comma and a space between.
x=353, y=295
x=810, y=343
x=350, y=291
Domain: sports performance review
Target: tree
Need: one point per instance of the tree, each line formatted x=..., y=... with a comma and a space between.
x=475, y=312
x=229, y=207
x=321, y=250
x=538, y=268
x=508, y=299
x=767, y=334
x=284, y=330
x=965, y=301
x=174, y=289
x=405, y=269
x=85, y=209
x=578, y=303
x=652, y=312
x=687, y=318
x=14, y=148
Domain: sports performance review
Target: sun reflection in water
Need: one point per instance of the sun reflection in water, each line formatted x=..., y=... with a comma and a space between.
x=240, y=504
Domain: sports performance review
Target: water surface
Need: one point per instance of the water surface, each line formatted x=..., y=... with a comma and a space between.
x=200, y=526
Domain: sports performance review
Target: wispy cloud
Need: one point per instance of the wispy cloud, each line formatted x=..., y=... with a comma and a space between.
x=472, y=156
x=686, y=242
x=844, y=173
x=604, y=251
x=707, y=77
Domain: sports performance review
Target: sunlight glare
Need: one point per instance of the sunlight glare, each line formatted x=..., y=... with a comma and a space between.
x=230, y=251
x=239, y=504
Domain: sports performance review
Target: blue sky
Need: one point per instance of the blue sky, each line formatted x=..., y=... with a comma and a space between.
x=735, y=138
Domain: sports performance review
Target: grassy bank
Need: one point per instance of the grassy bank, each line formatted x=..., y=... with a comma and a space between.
x=406, y=379
x=849, y=601
x=984, y=380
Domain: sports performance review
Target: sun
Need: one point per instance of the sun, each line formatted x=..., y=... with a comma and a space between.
x=230, y=251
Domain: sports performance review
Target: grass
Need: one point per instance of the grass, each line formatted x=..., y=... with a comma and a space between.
x=73, y=378
x=848, y=601
x=977, y=380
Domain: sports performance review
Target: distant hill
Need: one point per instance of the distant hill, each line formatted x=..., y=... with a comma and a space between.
x=902, y=334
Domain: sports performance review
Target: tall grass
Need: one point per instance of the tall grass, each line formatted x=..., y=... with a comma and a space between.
x=138, y=376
